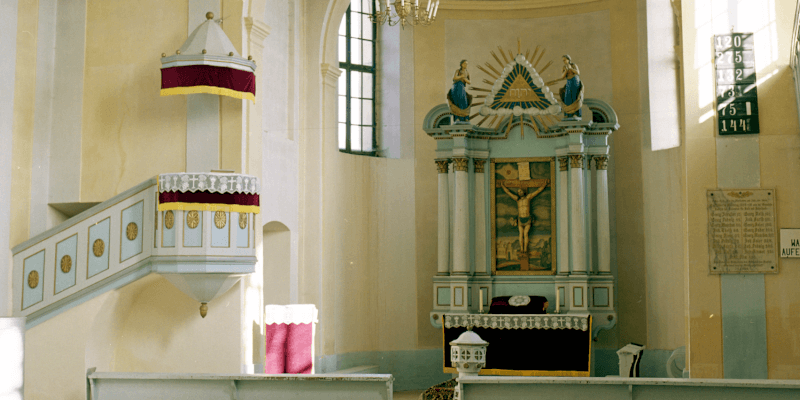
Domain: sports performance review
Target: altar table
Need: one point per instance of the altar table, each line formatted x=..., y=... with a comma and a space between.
x=526, y=344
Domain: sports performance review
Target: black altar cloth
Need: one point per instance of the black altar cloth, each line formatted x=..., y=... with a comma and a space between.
x=525, y=344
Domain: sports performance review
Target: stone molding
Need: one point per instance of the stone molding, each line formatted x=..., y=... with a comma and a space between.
x=601, y=162
x=330, y=74
x=461, y=164
x=576, y=160
x=257, y=31
x=442, y=166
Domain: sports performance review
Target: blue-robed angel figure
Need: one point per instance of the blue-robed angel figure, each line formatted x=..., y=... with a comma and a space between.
x=458, y=98
x=572, y=92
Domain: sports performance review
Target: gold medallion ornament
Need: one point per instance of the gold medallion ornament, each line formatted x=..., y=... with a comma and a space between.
x=33, y=279
x=66, y=264
x=169, y=219
x=192, y=219
x=98, y=248
x=220, y=219
x=131, y=231
x=243, y=220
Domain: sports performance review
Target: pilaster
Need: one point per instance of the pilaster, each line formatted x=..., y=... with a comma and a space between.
x=461, y=223
x=443, y=265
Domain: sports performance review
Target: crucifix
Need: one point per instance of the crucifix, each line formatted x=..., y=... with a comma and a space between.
x=524, y=215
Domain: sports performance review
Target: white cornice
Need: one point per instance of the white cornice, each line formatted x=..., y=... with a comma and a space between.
x=330, y=74
x=257, y=30
x=502, y=5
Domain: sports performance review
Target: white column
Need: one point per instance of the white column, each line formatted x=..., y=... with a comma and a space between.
x=481, y=266
x=451, y=184
x=461, y=223
x=562, y=212
x=603, y=231
x=576, y=209
x=443, y=265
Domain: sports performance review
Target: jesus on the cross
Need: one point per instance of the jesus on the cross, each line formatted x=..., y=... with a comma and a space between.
x=525, y=219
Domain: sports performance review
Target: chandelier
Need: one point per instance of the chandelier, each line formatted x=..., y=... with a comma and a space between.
x=405, y=12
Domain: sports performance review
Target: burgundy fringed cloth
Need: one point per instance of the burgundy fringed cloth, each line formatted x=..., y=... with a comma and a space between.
x=289, y=338
x=209, y=79
x=208, y=192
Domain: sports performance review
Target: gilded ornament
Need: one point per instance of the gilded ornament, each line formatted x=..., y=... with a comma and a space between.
x=163, y=55
x=243, y=220
x=462, y=164
x=169, y=219
x=479, y=164
x=230, y=54
x=250, y=58
x=131, y=231
x=601, y=162
x=220, y=219
x=576, y=160
x=66, y=264
x=33, y=279
x=98, y=248
x=442, y=166
x=204, y=51
x=203, y=309
x=178, y=51
x=193, y=219
x=209, y=15
x=562, y=163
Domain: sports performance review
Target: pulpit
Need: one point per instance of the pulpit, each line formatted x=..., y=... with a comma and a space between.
x=526, y=344
x=289, y=338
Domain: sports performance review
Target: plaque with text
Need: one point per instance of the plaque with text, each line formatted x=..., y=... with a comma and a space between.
x=742, y=234
x=735, y=78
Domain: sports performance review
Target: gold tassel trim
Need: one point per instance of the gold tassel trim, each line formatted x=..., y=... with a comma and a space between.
x=209, y=90
x=208, y=207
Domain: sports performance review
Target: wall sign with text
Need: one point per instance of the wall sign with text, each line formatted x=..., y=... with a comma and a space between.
x=735, y=78
x=790, y=243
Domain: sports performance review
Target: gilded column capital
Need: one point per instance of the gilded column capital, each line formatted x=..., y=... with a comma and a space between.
x=462, y=164
x=479, y=165
x=442, y=165
x=562, y=163
x=576, y=160
x=601, y=162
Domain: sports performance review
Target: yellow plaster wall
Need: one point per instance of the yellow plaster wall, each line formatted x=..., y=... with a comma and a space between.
x=779, y=166
x=22, y=135
x=626, y=151
x=130, y=133
x=231, y=109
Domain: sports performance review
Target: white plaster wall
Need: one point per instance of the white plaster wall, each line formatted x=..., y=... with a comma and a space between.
x=8, y=45
x=280, y=159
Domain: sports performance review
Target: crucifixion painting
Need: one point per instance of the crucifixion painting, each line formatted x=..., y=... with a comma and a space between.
x=523, y=211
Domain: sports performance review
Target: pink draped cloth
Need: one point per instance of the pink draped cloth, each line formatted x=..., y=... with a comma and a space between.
x=289, y=339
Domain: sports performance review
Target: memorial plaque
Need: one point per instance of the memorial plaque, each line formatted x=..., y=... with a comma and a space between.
x=742, y=234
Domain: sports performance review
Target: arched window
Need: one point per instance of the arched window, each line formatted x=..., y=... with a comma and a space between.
x=357, y=82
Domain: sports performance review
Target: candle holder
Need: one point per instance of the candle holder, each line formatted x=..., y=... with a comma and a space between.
x=406, y=12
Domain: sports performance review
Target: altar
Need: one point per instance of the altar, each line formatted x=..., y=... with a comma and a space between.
x=526, y=344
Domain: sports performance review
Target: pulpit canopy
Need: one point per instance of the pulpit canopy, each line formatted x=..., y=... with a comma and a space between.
x=208, y=63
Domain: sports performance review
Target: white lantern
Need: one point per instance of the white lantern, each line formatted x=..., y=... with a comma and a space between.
x=468, y=353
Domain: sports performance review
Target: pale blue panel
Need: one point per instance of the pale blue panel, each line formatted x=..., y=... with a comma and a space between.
x=458, y=298
x=600, y=297
x=68, y=247
x=577, y=296
x=133, y=247
x=562, y=297
x=242, y=235
x=221, y=237
x=744, y=326
x=192, y=237
x=101, y=231
x=168, y=235
x=443, y=296
x=31, y=296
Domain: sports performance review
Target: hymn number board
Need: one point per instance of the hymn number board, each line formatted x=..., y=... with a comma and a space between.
x=735, y=77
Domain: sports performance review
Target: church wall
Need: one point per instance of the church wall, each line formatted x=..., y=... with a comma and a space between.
x=773, y=166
